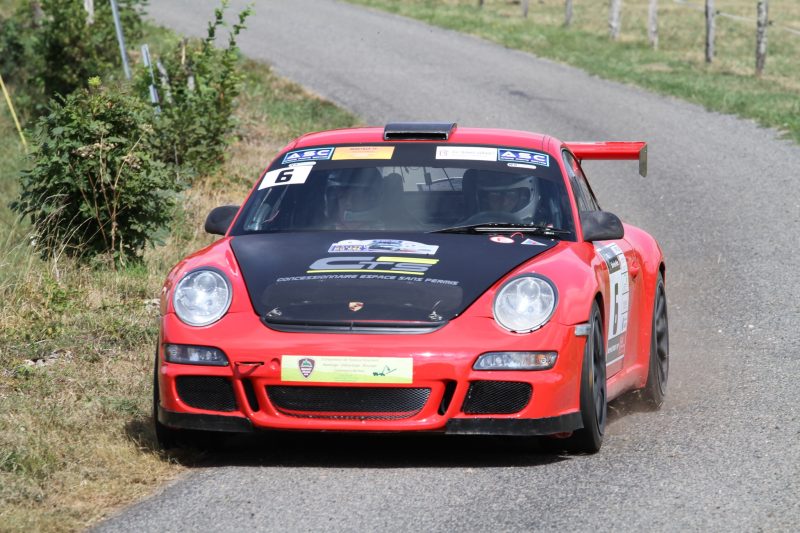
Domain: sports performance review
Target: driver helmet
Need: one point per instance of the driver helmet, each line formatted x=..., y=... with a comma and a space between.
x=355, y=197
x=507, y=194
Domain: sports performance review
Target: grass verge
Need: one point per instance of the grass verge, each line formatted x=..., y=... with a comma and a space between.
x=677, y=68
x=76, y=344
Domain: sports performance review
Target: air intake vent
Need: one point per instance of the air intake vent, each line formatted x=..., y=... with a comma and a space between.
x=206, y=392
x=447, y=397
x=418, y=131
x=250, y=392
x=496, y=397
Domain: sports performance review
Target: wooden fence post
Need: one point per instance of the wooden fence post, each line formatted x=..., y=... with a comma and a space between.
x=652, y=23
x=36, y=13
x=525, y=8
x=614, y=14
x=761, y=36
x=88, y=5
x=567, y=12
x=710, y=27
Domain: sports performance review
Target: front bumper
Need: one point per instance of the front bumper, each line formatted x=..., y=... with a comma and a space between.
x=456, y=426
x=442, y=363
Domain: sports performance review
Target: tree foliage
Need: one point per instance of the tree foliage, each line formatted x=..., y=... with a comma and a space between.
x=72, y=49
x=51, y=47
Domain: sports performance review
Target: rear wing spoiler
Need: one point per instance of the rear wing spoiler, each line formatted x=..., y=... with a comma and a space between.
x=612, y=150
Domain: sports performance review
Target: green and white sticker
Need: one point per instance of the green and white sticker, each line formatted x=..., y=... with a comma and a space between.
x=343, y=369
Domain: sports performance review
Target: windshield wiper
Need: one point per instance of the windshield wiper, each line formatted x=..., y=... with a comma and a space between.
x=505, y=227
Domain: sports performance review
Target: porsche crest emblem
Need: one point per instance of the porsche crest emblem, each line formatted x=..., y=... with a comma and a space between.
x=355, y=306
x=306, y=366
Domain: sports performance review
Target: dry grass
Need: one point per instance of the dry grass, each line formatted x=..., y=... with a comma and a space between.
x=77, y=343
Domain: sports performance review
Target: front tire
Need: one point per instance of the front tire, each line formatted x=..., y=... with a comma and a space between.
x=166, y=437
x=655, y=390
x=594, y=400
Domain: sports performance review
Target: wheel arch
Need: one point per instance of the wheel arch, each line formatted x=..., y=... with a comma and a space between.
x=598, y=298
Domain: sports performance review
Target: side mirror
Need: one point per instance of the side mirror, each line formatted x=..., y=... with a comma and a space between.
x=601, y=226
x=220, y=218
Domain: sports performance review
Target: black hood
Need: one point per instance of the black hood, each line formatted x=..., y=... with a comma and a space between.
x=342, y=277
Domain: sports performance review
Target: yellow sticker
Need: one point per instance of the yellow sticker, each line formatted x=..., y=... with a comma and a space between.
x=363, y=152
x=342, y=369
x=417, y=260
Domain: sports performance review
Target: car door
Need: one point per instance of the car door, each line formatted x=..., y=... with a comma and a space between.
x=623, y=287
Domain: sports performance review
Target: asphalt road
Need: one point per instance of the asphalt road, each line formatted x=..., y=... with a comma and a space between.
x=724, y=201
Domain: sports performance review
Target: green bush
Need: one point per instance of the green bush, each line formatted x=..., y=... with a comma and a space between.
x=198, y=84
x=72, y=50
x=19, y=65
x=95, y=187
x=12, y=47
x=53, y=50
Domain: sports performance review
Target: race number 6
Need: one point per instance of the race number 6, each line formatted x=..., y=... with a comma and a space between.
x=286, y=176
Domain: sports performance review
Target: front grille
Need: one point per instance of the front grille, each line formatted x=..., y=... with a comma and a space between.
x=206, y=392
x=496, y=397
x=362, y=403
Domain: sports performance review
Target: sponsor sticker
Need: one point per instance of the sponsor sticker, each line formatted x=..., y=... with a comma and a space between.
x=389, y=277
x=412, y=266
x=468, y=153
x=382, y=245
x=363, y=152
x=618, y=289
x=343, y=369
x=522, y=165
x=317, y=154
x=531, y=242
x=502, y=240
x=511, y=155
x=286, y=176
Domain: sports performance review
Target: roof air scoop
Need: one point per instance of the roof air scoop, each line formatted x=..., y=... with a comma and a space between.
x=418, y=131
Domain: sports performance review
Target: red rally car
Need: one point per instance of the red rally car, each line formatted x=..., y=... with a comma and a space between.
x=417, y=277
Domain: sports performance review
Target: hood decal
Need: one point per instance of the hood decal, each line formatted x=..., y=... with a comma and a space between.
x=394, y=246
x=340, y=276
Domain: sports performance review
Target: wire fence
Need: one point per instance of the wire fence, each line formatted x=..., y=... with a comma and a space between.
x=699, y=7
x=761, y=23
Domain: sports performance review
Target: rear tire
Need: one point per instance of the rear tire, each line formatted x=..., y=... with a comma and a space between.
x=594, y=401
x=652, y=396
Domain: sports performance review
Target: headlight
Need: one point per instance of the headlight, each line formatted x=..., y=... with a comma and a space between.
x=525, y=303
x=202, y=297
x=516, y=361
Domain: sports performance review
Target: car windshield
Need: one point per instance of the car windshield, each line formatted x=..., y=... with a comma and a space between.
x=407, y=187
